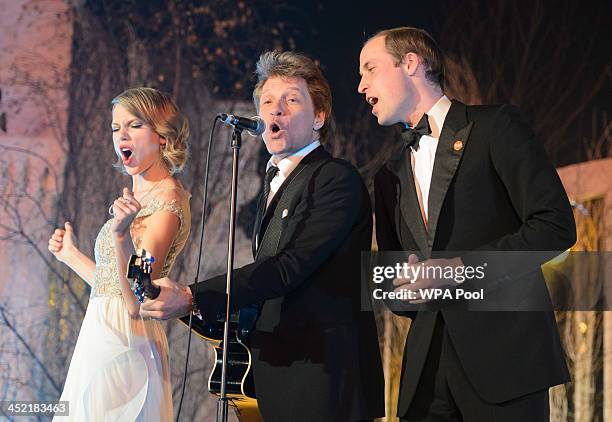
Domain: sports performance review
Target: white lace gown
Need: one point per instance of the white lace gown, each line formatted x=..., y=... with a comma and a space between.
x=120, y=369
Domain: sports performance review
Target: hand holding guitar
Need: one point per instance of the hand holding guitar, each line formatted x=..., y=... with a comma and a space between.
x=174, y=301
x=166, y=299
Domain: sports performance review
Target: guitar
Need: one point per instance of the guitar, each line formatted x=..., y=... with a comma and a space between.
x=240, y=387
x=139, y=274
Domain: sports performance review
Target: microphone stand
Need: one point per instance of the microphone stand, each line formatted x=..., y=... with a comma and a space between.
x=222, y=403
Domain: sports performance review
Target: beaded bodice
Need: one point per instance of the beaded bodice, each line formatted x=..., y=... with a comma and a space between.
x=106, y=277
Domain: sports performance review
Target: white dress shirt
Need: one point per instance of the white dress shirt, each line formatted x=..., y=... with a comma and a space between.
x=423, y=158
x=286, y=166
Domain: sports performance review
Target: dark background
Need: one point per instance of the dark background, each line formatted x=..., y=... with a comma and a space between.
x=551, y=58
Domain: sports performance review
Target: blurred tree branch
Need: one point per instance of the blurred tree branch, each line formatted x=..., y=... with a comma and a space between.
x=544, y=56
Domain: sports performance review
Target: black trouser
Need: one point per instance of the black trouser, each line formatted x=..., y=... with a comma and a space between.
x=445, y=394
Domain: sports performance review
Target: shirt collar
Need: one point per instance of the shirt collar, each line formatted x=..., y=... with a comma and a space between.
x=437, y=113
x=289, y=163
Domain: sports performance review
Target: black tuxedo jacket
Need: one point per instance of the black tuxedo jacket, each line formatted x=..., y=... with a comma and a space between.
x=493, y=189
x=316, y=355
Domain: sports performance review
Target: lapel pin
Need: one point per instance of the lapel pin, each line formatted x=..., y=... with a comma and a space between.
x=458, y=145
x=285, y=213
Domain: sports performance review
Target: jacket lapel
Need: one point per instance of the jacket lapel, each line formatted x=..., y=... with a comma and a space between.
x=453, y=140
x=271, y=226
x=257, y=225
x=408, y=201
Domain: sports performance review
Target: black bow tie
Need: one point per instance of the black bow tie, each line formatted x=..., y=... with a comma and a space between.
x=412, y=136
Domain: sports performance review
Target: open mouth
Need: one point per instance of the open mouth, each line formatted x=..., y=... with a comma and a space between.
x=274, y=128
x=372, y=100
x=126, y=153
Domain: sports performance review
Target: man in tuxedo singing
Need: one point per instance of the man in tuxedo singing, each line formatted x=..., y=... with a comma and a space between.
x=315, y=354
x=468, y=178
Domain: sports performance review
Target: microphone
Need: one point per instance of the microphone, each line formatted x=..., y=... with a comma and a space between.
x=255, y=125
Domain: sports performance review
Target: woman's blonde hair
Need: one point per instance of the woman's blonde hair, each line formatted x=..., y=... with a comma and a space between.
x=157, y=110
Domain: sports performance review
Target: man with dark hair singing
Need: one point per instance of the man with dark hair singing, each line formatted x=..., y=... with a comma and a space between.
x=468, y=178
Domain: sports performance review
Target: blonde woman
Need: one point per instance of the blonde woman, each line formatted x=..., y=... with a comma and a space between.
x=119, y=369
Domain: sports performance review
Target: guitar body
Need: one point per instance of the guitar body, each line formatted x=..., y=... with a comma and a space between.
x=240, y=387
